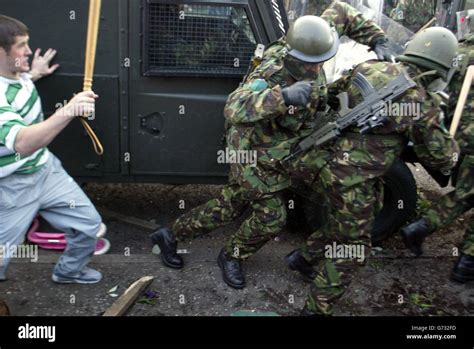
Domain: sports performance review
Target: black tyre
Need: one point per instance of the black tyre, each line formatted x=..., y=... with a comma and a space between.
x=399, y=204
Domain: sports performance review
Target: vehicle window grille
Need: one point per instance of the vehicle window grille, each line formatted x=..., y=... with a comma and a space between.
x=197, y=40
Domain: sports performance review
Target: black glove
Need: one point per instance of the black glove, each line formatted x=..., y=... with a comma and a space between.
x=298, y=94
x=380, y=47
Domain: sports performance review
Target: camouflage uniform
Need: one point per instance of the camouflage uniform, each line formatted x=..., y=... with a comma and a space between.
x=348, y=169
x=260, y=121
x=317, y=7
x=413, y=14
x=452, y=205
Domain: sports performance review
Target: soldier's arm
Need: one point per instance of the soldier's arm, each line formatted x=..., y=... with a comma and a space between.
x=350, y=22
x=432, y=143
x=254, y=101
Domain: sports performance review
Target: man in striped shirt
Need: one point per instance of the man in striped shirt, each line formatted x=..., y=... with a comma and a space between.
x=32, y=179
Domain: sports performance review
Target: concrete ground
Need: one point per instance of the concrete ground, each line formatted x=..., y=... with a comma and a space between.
x=392, y=283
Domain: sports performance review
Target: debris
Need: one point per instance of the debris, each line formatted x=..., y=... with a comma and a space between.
x=156, y=250
x=4, y=311
x=128, y=219
x=150, y=297
x=122, y=304
x=112, y=292
x=113, y=289
x=422, y=301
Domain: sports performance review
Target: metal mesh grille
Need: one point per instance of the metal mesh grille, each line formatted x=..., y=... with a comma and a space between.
x=197, y=40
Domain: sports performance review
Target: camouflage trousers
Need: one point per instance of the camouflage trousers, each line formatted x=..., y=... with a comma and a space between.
x=449, y=207
x=339, y=248
x=350, y=187
x=267, y=218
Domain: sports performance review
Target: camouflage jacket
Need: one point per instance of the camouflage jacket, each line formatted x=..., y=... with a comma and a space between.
x=415, y=117
x=258, y=117
x=413, y=14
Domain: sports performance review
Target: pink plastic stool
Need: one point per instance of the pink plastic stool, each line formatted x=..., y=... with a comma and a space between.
x=57, y=241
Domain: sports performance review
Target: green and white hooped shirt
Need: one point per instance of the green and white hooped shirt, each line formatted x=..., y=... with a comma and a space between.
x=20, y=106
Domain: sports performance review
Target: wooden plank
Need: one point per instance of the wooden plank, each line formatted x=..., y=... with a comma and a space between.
x=128, y=219
x=124, y=302
x=466, y=87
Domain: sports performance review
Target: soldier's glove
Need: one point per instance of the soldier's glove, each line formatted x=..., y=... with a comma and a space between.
x=298, y=94
x=380, y=47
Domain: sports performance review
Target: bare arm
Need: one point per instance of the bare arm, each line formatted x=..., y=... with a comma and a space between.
x=34, y=137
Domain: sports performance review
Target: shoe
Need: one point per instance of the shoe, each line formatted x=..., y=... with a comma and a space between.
x=414, y=234
x=464, y=269
x=297, y=262
x=86, y=276
x=164, y=238
x=231, y=270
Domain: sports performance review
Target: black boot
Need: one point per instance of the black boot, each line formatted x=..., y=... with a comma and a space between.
x=164, y=238
x=464, y=269
x=231, y=270
x=414, y=234
x=297, y=262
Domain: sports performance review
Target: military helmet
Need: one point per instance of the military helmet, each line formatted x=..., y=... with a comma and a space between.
x=312, y=40
x=435, y=44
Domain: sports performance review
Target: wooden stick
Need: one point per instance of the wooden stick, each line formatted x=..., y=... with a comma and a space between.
x=466, y=86
x=122, y=304
x=427, y=25
x=128, y=219
x=91, y=46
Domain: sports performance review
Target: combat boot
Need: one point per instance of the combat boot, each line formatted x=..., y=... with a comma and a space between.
x=165, y=239
x=464, y=269
x=414, y=234
x=297, y=262
x=231, y=270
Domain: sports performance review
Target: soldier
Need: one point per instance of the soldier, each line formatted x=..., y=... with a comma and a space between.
x=450, y=206
x=413, y=14
x=347, y=170
x=268, y=113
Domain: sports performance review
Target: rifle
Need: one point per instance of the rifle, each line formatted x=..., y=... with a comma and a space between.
x=369, y=114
